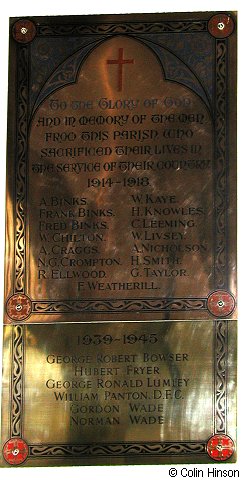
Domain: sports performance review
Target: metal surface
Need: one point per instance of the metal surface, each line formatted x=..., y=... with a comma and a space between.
x=120, y=279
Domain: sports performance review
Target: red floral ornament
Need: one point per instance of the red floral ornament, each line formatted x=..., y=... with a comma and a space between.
x=15, y=451
x=24, y=31
x=221, y=303
x=220, y=447
x=221, y=25
x=19, y=307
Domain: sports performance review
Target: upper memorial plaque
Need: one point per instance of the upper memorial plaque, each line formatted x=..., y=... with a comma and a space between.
x=119, y=193
x=120, y=212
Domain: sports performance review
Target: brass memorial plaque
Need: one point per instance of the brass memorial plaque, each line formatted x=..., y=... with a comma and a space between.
x=120, y=280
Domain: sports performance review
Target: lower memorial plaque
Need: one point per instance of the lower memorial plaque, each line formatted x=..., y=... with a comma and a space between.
x=120, y=287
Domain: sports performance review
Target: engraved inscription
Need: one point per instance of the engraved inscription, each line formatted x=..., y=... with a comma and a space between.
x=124, y=203
x=134, y=381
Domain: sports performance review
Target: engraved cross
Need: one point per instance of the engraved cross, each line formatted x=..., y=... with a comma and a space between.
x=120, y=62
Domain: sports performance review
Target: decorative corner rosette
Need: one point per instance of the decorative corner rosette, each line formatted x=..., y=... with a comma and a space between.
x=221, y=25
x=220, y=447
x=221, y=303
x=15, y=451
x=24, y=31
x=19, y=307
